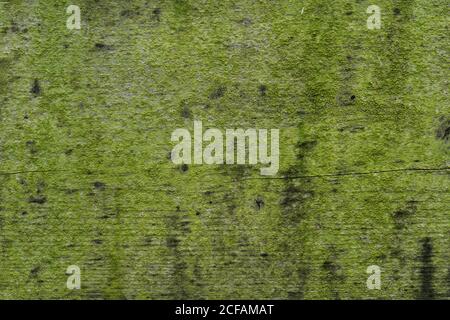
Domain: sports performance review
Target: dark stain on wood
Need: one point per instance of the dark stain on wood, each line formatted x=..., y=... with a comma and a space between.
x=219, y=92
x=39, y=199
x=426, y=270
x=36, y=88
x=443, y=131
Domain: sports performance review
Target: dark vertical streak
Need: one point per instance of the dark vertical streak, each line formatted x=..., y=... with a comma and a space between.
x=427, y=270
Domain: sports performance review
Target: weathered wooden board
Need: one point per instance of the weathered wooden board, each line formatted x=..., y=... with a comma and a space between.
x=87, y=116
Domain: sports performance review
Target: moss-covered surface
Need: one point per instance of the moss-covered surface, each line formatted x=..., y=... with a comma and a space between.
x=86, y=119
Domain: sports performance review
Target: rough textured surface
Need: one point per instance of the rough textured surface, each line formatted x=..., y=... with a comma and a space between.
x=86, y=118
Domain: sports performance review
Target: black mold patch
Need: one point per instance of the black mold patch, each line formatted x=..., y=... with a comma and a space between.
x=401, y=216
x=129, y=13
x=352, y=128
x=305, y=146
x=31, y=145
x=99, y=185
x=218, y=93
x=295, y=194
x=259, y=202
x=35, y=271
x=334, y=272
x=157, y=14
x=246, y=22
x=70, y=191
x=443, y=132
x=299, y=292
x=148, y=240
x=186, y=113
x=427, y=270
x=292, y=200
x=345, y=99
x=14, y=27
x=36, y=88
x=330, y=267
x=172, y=242
x=103, y=47
x=40, y=199
x=262, y=90
x=179, y=227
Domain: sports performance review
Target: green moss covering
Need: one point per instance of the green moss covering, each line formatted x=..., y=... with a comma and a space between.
x=87, y=115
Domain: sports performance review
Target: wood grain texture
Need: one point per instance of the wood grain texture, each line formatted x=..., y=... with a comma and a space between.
x=86, y=119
